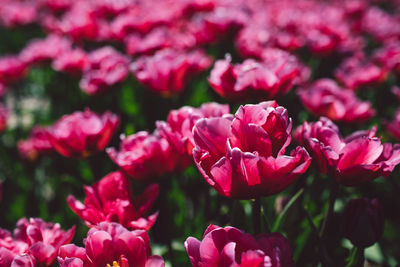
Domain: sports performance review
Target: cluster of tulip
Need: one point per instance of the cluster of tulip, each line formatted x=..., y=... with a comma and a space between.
x=338, y=62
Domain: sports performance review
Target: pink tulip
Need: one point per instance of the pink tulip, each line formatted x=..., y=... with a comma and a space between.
x=168, y=71
x=267, y=79
x=325, y=98
x=145, y=156
x=12, y=69
x=229, y=246
x=82, y=133
x=179, y=125
x=36, y=145
x=35, y=243
x=110, y=244
x=243, y=157
x=352, y=161
x=107, y=67
x=111, y=200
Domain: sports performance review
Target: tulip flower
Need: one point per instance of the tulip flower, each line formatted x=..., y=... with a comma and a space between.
x=36, y=145
x=389, y=55
x=107, y=67
x=145, y=156
x=74, y=62
x=357, y=72
x=363, y=222
x=11, y=69
x=17, y=13
x=179, y=125
x=267, y=79
x=168, y=71
x=110, y=244
x=47, y=49
x=35, y=243
x=243, y=157
x=111, y=200
x=352, y=161
x=82, y=133
x=326, y=98
x=229, y=246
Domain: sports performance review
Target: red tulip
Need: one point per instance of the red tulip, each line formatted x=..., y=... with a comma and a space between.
x=352, y=161
x=355, y=73
x=110, y=244
x=363, y=221
x=111, y=200
x=106, y=68
x=82, y=133
x=11, y=69
x=243, y=157
x=3, y=117
x=44, y=50
x=35, y=243
x=36, y=145
x=229, y=246
x=325, y=98
x=145, y=156
x=179, y=125
x=168, y=71
x=273, y=77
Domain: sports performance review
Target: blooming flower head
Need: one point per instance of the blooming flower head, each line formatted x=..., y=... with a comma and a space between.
x=243, y=156
x=110, y=244
x=352, y=161
x=267, y=79
x=229, y=246
x=34, y=243
x=107, y=67
x=356, y=72
x=145, y=156
x=74, y=61
x=40, y=50
x=179, y=125
x=111, y=200
x=36, y=145
x=11, y=69
x=82, y=133
x=168, y=71
x=325, y=98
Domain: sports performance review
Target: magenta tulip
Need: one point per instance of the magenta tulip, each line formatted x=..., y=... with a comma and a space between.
x=110, y=244
x=229, y=246
x=111, y=200
x=352, y=161
x=243, y=157
x=82, y=133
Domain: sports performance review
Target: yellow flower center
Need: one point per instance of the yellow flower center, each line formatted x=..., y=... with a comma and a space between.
x=114, y=264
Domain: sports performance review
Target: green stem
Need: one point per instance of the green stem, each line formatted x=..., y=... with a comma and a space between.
x=256, y=213
x=356, y=257
x=329, y=213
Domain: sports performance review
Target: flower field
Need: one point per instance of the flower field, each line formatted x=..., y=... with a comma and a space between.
x=205, y=133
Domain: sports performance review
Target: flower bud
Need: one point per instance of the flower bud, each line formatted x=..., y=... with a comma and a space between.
x=363, y=221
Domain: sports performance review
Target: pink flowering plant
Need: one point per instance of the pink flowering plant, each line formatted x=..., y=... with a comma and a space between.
x=206, y=133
